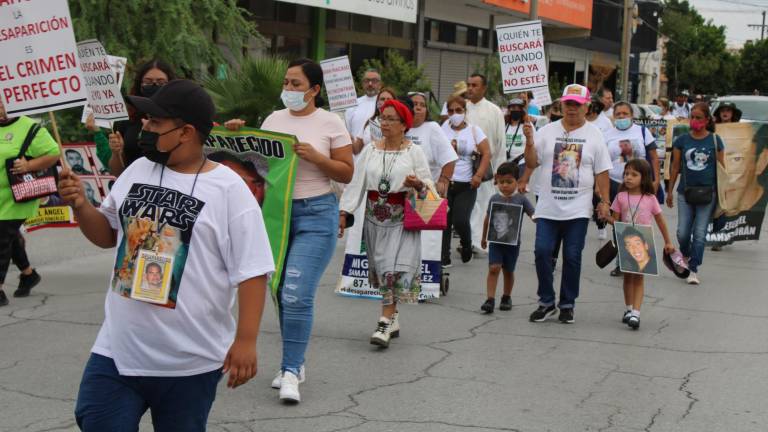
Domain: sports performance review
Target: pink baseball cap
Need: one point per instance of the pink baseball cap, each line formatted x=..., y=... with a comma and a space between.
x=577, y=93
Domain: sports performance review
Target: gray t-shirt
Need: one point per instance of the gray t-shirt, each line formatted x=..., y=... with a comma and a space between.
x=515, y=198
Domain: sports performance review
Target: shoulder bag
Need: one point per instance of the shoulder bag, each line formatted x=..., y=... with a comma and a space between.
x=699, y=195
x=34, y=184
x=477, y=157
x=429, y=213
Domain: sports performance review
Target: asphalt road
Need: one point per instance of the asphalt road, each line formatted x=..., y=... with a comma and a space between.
x=696, y=364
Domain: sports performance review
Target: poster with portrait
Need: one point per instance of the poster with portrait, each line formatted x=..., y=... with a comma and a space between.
x=658, y=128
x=637, y=249
x=78, y=161
x=742, y=182
x=267, y=164
x=675, y=128
x=152, y=277
x=504, y=223
x=565, y=165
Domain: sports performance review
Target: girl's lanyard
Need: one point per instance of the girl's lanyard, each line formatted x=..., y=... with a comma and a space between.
x=510, y=144
x=633, y=214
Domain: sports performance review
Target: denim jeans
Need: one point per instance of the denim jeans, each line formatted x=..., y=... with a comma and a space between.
x=108, y=401
x=311, y=243
x=461, y=201
x=692, y=221
x=549, y=233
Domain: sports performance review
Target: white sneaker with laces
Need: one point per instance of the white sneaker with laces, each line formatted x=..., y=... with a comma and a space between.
x=289, y=388
x=602, y=234
x=279, y=376
x=693, y=279
x=383, y=332
x=394, y=328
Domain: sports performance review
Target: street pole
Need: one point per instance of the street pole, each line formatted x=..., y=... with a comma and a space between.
x=762, y=27
x=534, y=13
x=626, y=41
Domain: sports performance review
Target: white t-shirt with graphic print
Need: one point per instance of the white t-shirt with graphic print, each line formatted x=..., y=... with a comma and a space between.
x=568, y=164
x=467, y=140
x=625, y=145
x=211, y=241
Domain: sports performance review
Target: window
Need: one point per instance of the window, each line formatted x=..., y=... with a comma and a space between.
x=292, y=13
x=361, y=23
x=441, y=31
x=379, y=26
x=291, y=47
x=446, y=32
x=461, y=35
x=396, y=28
x=262, y=9
x=338, y=20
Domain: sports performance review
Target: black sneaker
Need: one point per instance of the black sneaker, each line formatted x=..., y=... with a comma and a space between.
x=26, y=283
x=625, y=318
x=616, y=272
x=3, y=298
x=541, y=314
x=488, y=306
x=446, y=263
x=506, y=303
x=566, y=316
x=466, y=254
x=634, y=322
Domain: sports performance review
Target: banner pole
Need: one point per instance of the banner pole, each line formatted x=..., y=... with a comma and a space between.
x=58, y=139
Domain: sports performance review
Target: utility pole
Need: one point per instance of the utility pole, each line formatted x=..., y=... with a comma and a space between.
x=626, y=42
x=761, y=27
x=534, y=13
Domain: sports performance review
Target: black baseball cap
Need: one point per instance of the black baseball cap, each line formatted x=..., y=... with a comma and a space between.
x=180, y=99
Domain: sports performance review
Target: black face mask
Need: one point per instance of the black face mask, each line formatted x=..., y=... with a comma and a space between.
x=148, y=145
x=555, y=117
x=516, y=115
x=148, y=90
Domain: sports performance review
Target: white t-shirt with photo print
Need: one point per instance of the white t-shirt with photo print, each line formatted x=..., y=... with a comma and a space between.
x=432, y=140
x=568, y=164
x=467, y=141
x=625, y=145
x=212, y=241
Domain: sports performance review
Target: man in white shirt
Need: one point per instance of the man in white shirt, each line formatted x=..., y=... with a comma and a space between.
x=681, y=109
x=366, y=104
x=606, y=98
x=572, y=157
x=489, y=118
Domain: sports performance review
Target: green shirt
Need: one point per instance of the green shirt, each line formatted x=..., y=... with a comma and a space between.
x=11, y=138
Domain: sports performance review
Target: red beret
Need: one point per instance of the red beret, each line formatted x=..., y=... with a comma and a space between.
x=402, y=111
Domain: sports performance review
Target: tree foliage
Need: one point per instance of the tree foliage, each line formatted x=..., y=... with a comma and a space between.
x=490, y=67
x=696, y=58
x=402, y=75
x=753, y=66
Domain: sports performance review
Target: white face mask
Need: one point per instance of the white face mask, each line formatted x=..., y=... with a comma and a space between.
x=456, y=119
x=294, y=100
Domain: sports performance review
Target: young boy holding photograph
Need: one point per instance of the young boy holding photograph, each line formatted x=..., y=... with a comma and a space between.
x=503, y=257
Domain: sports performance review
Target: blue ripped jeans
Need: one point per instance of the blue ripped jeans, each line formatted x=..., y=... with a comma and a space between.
x=692, y=221
x=311, y=243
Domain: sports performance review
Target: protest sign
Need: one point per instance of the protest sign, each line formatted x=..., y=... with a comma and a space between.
x=353, y=281
x=104, y=97
x=657, y=128
x=523, y=61
x=117, y=64
x=82, y=160
x=339, y=84
x=742, y=194
x=39, y=68
x=266, y=162
x=637, y=249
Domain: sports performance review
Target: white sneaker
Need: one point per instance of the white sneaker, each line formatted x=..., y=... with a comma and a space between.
x=693, y=279
x=476, y=251
x=602, y=234
x=394, y=328
x=289, y=388
x=383, y=332
x=279, y=376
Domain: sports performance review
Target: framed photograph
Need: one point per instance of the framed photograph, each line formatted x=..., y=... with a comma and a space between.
x=77, y=159
x=92, y=191
x=504, y=223
x=152, y=279
x=637, y=249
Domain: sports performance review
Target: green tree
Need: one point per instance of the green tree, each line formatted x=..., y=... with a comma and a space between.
x=490, y=67
x=397, y=72
x=753, y=66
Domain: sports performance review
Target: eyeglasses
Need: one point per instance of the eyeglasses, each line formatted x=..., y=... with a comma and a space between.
x=159, y=82
x=456, y=111
x=389, y=120
x=371, y=80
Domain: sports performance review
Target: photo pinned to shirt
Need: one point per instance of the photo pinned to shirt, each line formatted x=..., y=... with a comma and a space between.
x=504, y=223
x=565, y=164
x=152, y=277
x=637, y=249
x=628, y=150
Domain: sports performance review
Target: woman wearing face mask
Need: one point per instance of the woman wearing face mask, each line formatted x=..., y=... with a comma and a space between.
x=122, y=146
x=372, y=129
x=325, y=154
x=465, y=139
x=515, y=119
x=433, y=142
x=695, y=155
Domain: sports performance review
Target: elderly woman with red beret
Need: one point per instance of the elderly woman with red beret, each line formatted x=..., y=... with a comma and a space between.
x=385, y=172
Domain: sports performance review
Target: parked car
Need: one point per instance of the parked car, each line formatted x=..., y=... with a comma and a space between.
x=753, y=108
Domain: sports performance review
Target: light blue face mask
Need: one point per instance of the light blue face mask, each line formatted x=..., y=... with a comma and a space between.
x=294, y=100
x=623, y=124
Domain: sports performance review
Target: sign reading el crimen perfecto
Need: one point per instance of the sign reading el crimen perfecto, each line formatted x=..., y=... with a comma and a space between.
x=399, y=10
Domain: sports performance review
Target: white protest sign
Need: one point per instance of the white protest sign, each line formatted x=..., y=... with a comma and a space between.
x=339, y=83
x=104, y=96
x=523, y=62
x=117, y=64
x=39, y=69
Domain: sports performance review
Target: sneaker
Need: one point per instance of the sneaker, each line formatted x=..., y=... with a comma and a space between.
x=289, y=388
x=279, y=376
x=506, y=303
x=476, y=251
x=625, y=319
x=717, y=248
x=446, y=264
x=382, y=334
x=602, y=234
x=634, y=322
x=466, y=255
x=26, y=283
x=3, y=298
x=693, y=279
x=541, y=314
x=566, y=316
x=394, y=328
x=488, y=306
x=616, y=272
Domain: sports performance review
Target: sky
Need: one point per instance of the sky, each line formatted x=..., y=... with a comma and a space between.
x=735, y=15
